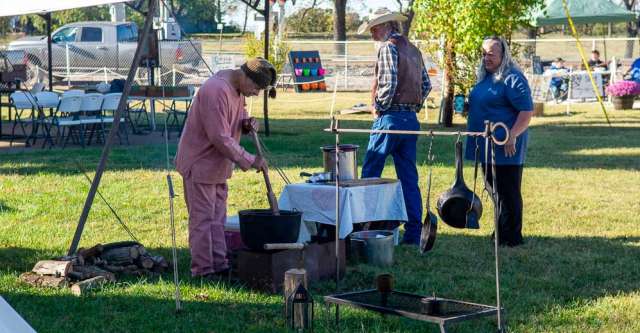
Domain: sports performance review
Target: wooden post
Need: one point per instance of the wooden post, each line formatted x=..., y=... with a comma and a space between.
x=292, y=279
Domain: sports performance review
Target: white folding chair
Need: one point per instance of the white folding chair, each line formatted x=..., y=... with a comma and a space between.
x=137, y=106
x=46, y=100
x=110, y=105
x=67, y=116
x=73, y=92
x=91, y=109
x=37, y=87
x=24, y=105
x=176, y=118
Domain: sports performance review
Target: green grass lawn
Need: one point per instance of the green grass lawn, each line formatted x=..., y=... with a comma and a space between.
x=578, y=272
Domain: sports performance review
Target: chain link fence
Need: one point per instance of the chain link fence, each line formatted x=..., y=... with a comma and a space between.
x=350, y=64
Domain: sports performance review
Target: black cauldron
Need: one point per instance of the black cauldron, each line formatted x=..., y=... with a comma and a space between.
x=259, y=227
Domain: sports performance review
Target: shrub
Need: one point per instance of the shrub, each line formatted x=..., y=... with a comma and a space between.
x=624, y=88
x=278, y=51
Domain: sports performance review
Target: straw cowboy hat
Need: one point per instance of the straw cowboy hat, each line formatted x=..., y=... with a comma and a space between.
x=381, y=16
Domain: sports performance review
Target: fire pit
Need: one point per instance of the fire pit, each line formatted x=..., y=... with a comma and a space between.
x=433, y=309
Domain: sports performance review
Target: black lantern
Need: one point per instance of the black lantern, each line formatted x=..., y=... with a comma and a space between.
x=300, y=310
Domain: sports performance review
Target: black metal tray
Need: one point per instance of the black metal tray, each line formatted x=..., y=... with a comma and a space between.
x=441, y=311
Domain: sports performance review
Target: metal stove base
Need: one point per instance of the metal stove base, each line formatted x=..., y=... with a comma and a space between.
x=444, y=311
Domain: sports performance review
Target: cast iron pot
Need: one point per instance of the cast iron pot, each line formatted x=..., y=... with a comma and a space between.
x=259, y=227
x=453, y=205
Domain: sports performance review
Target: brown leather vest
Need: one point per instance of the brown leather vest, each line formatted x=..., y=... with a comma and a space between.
x=410, y=66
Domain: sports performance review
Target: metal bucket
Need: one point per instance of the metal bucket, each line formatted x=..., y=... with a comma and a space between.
x=375, y=247
x=348, y=156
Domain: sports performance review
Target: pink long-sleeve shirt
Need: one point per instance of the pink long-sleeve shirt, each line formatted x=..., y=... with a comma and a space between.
x=209, y=146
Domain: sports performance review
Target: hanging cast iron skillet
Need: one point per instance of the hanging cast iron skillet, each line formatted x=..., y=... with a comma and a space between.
x=459, y=207
x=430, y=224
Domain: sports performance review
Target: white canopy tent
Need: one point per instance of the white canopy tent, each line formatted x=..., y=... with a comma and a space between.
x=44, y=9
x=26, y=7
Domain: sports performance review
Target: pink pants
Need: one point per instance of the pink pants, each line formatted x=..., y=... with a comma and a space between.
x=207, y=206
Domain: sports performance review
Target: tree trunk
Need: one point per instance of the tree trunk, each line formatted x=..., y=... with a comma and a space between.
x=632, y=31
x=246, y=18
x=340, y=25
x=450, y=75
x=409, y=13
x=531, y=49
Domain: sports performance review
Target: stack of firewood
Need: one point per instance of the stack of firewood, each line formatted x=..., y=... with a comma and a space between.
x=92, y=267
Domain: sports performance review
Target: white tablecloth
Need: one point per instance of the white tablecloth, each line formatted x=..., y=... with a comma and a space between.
x=358, y=204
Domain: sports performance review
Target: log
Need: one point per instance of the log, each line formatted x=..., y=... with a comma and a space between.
x=292, y=279
x=142, y=250
x=145, y=262
x=121, y=255
x=52, y=267
x=77, y=276
x=115, y=245
x=113, y=268
x=91, y=252
x=78, y=261
x=36, y=280
x=160, y=264
x=83, y=287
x=88, y=272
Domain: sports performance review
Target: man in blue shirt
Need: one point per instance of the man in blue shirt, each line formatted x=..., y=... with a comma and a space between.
x=400, y=87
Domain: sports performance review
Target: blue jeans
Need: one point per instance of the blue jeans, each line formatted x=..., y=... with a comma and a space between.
x=403, y=150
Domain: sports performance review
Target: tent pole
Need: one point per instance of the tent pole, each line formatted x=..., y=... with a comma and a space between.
x=266, y=56
x=49, y=54
x=114, y=130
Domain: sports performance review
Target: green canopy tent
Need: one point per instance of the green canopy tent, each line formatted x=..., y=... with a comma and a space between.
x=582, y=12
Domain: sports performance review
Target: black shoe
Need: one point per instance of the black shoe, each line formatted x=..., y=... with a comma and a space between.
x=219, y=276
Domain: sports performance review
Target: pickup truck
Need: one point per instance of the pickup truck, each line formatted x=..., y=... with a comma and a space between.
x=85, y=47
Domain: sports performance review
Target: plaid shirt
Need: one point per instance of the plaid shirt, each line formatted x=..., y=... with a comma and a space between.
x=388, y=80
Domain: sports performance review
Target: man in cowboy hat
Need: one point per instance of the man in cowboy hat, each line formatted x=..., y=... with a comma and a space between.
x=208, y=150
x=401, y=85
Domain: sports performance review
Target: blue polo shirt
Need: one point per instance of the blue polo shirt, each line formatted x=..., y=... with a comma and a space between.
x=499, y=101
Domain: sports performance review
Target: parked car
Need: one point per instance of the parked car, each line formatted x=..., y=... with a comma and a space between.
x=86, y=47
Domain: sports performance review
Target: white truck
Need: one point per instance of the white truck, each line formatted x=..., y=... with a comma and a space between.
x=89, y=46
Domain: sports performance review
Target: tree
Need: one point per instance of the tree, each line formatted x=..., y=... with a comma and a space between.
x=339, y=24
x=311, y=20
x=58, y=19
x=408, y=12
x=352, y=21
x=462, y=25
x=632, y=28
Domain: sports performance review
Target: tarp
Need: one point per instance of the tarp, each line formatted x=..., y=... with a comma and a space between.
x=582, y=12
x=24, y=7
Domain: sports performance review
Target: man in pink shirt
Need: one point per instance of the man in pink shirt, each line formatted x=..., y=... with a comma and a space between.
x=208, y=150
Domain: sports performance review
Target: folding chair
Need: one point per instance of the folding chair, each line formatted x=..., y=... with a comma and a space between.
x=73, y=92
x=137, y=106
x=46, y=100
x=37, y=87
x=67, y=116
x=176, y=118
x=110, y=105
x=22, y=102
x=91, y=114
